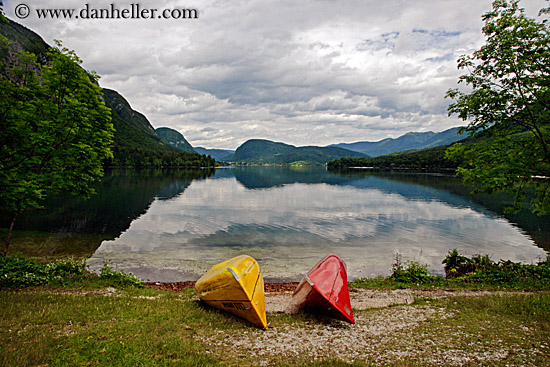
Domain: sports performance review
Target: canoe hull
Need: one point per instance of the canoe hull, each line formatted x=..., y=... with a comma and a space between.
x=325, y=289
x=235, y=286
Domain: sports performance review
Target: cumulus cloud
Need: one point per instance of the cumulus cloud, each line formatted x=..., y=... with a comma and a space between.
x=305, y=73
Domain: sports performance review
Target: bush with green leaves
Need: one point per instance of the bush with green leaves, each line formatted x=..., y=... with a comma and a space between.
x=478, y=272
x=21, y=272
x=118, y=277
x=414, y=272
x=480, y=269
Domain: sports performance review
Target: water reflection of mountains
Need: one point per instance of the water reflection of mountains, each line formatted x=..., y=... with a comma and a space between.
x=444, y=188
x=122, y=196
x=125, y=194
x=411, y=186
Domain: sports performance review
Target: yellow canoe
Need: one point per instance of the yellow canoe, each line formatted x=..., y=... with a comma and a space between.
x=235, y=286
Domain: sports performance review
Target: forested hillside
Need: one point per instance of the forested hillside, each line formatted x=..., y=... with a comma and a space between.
x=430, y=158
x=174, y=138
x=135, y=141
x=269, y=152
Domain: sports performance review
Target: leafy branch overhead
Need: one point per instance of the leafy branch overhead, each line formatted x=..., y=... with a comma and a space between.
x=56, y=130
x=508, y=107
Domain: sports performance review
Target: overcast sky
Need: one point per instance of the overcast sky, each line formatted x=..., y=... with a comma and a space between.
x=302, y=72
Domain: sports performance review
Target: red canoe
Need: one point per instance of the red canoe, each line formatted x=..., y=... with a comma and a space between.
x=325, y=288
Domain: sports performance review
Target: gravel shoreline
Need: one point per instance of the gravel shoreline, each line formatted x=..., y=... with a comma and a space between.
x=382, y=336
x=278, y=295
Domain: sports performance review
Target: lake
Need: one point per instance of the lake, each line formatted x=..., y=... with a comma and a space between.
x=173, y=225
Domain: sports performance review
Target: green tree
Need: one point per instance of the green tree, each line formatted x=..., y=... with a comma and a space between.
x=55, y=130
x=507, y=108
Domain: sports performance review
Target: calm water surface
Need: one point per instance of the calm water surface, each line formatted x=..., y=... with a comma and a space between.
x=288, y=219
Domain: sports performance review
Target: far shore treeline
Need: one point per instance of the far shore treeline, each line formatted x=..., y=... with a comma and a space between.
x=429, y=158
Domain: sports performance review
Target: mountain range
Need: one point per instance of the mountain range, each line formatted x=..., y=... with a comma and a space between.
x=409, y=141
x=268, y=152
x=138, y=143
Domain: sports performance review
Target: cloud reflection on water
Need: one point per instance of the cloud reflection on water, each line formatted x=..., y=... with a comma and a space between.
x=289, y=227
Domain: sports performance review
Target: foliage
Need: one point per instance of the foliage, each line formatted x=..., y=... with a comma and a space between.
x=118, y=277
x=414, y=272
x=476, y=272
x=453, y=261
x=143, y=157
x=429, y=158
x=480, y=268
x=55, y=130
x=21, y=272
x=508, y=107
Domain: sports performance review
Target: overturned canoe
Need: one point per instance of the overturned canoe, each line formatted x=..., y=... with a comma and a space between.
x=325, y=289
x=235, y=286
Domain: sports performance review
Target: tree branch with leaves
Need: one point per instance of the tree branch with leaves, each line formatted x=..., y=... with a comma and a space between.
x=507, y=108
x=55, y=130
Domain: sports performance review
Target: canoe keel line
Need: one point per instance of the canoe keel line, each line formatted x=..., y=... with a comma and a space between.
x=325, y=289
x=235, y=286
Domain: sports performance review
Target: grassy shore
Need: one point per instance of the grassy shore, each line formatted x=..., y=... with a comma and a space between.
x=146, y=327
x=70, y=318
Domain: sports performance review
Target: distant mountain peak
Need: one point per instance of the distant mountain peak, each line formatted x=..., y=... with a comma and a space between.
x=408, y=141
x=174, y=138
x=269, y=152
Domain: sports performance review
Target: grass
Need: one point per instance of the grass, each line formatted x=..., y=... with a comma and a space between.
x=145, y=327
x=488, y=330
x=42, y=328
x=61, y=315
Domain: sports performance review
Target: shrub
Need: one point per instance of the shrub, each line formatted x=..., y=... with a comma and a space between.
x=64, y=266
x=20, y=272
x=118, y=277
x=414, y=272
x=455, y=264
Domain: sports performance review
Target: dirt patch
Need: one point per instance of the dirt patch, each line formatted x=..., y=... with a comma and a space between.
x=380, y=336
x=278, y=295
x=322, y=338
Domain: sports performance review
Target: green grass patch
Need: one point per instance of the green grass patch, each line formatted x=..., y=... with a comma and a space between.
x=478, y=272
x=21, y=272
x=41, y=328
